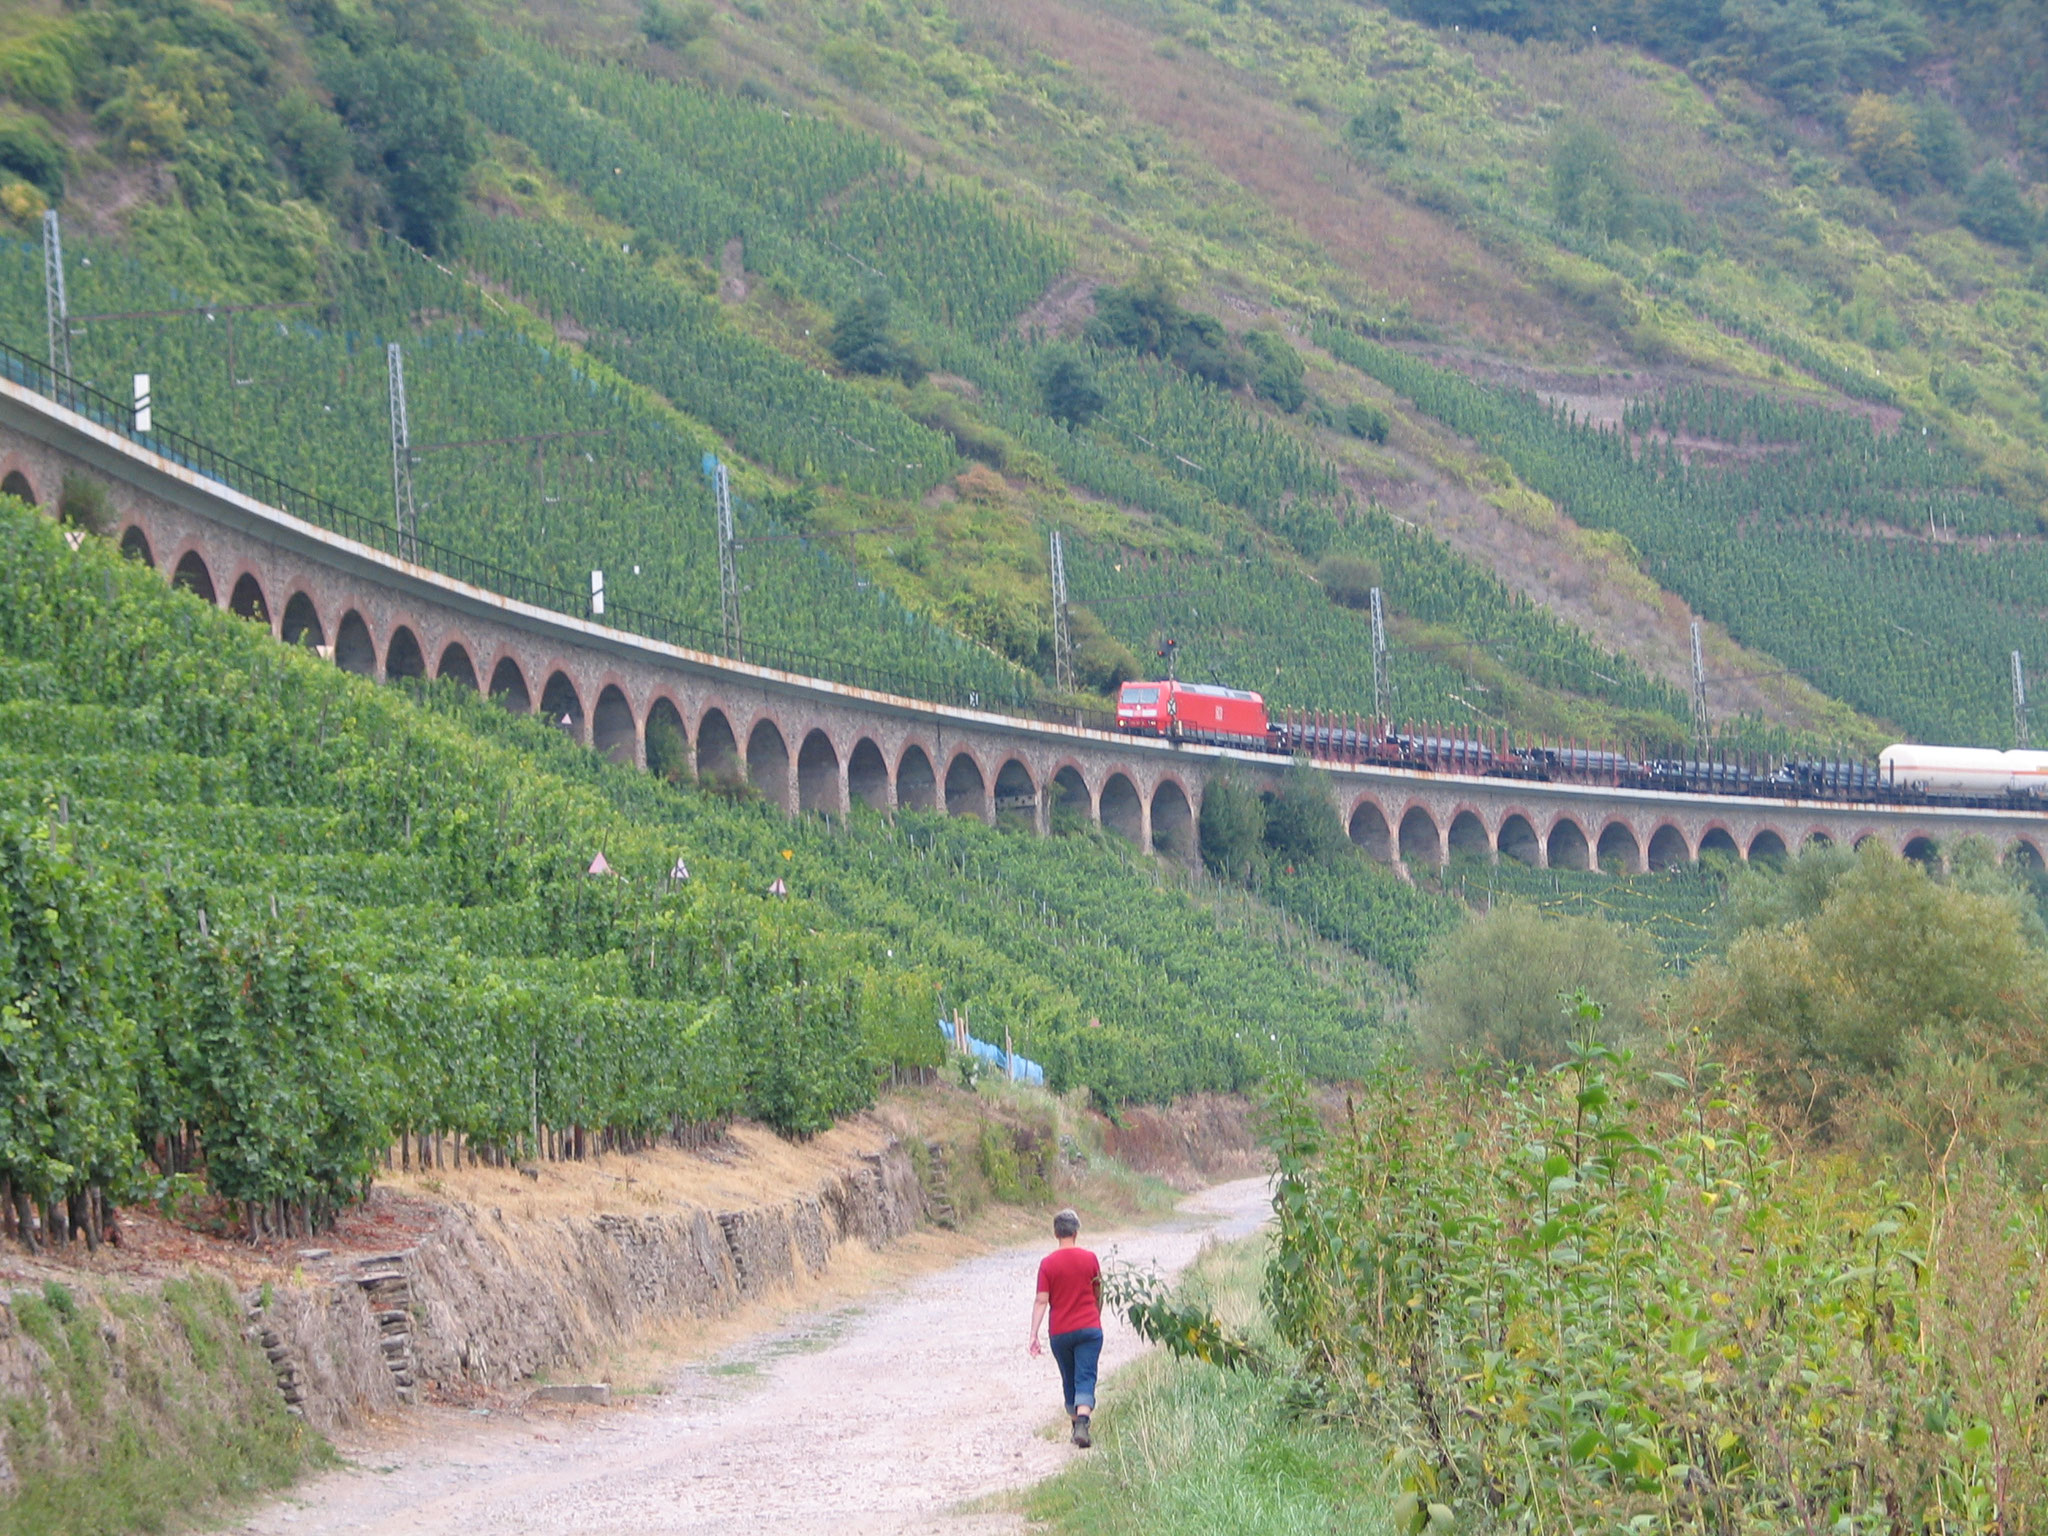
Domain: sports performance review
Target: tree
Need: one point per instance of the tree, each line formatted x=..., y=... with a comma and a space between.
x=675, y=23
x=1348, y=580
x=1280, y=369
x=413, y=134
x=1590, y=188
x=1994, y=209
x=1883, y=140
x=1888, y=980
x=1495, y=986
x=312, y=142
x=1375, y=129
x=1101, y=661
x=863, y=340
x=30, y=151
x=1366, y=421
x=1066, y=385
x=1944, y=142
x=1233, y=828
x=1302, y=824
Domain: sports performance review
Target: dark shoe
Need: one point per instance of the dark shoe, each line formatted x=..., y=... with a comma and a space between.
x=1081, y=1437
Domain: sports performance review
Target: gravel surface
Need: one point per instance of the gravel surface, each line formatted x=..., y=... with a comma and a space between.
x=879, y=1419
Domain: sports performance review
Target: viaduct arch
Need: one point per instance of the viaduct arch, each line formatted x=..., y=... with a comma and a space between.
x=816, y=747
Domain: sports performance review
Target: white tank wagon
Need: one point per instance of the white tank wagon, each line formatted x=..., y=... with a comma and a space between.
x=1964, y=771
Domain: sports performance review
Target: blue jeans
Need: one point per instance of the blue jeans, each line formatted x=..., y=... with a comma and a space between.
x=1077, y=1353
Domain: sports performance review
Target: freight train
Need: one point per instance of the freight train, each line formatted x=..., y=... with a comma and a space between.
x=1231, y=717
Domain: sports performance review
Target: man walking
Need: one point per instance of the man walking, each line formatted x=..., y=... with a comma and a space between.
x=1070, y=1287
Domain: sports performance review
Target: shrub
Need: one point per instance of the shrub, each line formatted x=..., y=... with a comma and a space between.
x=32, y=152
x=1492, y=988
x=82, y=502
x=1348, y=580
x=1066, y=385
x=1366, y=421
x=675, y=23
x=1280, y=369
x=1233, y=828
x=863, y=341
x=1888, y=1006
x=1995, y=209
x=1302, y=824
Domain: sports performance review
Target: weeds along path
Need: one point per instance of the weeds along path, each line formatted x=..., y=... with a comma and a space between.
x=879, y=1419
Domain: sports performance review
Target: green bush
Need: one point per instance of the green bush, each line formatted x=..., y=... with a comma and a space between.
x=1496, y=987
x=1366, y=421
x=30, y=151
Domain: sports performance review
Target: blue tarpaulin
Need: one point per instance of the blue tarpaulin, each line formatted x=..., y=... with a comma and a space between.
x=1016, y=1068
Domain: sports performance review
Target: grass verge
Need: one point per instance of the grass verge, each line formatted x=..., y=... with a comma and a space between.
x=143, y=1410
x=1186, y=1448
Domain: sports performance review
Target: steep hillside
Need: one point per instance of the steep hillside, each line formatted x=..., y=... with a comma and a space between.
x=939, y=279
x=267, y=917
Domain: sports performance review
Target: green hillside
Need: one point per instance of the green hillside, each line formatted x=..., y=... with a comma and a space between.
x=255, y=905
x=628, y=242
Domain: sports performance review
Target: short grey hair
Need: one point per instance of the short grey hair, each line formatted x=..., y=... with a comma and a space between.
x=1067, y=1223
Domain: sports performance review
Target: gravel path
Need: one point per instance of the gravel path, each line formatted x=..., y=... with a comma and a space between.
x=875, y=1420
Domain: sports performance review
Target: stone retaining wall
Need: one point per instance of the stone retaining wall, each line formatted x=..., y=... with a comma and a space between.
x=488, y=1301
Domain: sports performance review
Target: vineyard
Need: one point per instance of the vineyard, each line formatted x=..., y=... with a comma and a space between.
x=569, y=371
x=618, y=487
x=1256, y=624
x=269, y=920
x=1912, y=628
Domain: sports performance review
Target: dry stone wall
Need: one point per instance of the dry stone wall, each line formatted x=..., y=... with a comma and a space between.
x=487, y=1301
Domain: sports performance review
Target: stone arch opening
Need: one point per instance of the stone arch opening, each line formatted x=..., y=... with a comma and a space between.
x=508, y=686
x=1070, y=802
x=1518, y=841
x=562, y=706
x=917, y=786
x=817, y=776
x=613, y=730
x=2024, y=859
x=1173, y=821
x=1369, y=830
x=403, y=657
x=193, y=576
x=302, y=622
x=1720, y=841
x=17, y=484
x=867, y=775
x=456, y=667
x=1618, y=847
x=247, y=602
x=718, y=751
x=135, y=545
x=354, y=650
x=1568, y=848
x=1668, y=849
x=1861, y=839
x=1122, y=811
x=668, y=744
x=1421, y=842
x=1016, y=796
x=1469, y=839
x=1767, y=847
x=1922, y=850
x=1819, y=839
x=966, y=789
x=768, y=762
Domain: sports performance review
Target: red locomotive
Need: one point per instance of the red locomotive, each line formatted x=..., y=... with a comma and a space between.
x=1172, y=708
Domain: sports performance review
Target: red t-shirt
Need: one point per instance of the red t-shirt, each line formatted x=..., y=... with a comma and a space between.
x=1067, y=1276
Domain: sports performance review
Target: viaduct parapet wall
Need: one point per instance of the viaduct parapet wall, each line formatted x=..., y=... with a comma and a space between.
x=810, y=745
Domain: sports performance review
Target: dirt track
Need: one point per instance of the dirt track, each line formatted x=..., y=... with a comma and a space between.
x=878, y=1419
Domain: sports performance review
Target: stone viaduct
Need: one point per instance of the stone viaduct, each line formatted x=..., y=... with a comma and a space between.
x=816, y=746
